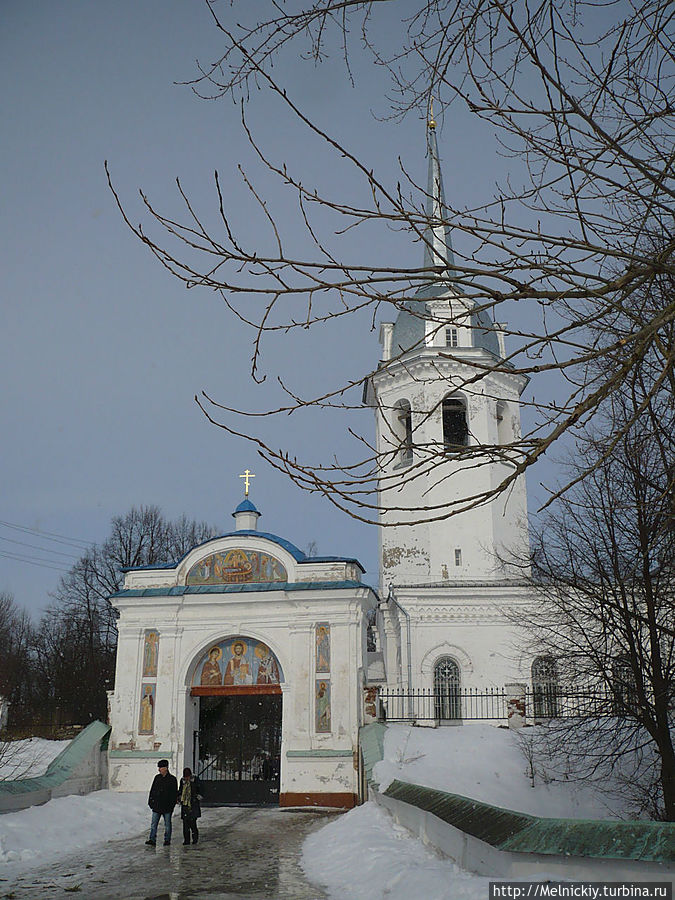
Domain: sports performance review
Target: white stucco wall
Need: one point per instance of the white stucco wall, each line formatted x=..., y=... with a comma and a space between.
x=284, y=619
x=475, y=625
x=414, y=551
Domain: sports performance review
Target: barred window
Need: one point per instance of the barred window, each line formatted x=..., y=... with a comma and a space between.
x=447, y=701
x=545, y=688
x=624, y=689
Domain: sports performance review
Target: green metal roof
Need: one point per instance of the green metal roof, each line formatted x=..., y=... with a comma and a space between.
x=519, y=832
x=522, y=833
x=371, y=739
x=61, y=768
x=653, y=841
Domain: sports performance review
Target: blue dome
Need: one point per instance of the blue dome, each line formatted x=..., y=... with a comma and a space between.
x=245, y=506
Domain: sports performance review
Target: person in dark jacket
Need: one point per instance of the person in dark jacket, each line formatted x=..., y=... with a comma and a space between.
x=161, y=800
x=190, y=808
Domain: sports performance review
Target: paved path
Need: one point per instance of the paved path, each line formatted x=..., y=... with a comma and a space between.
x=241, y=854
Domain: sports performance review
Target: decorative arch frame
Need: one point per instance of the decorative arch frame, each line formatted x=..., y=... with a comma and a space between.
x=198, y=651
x=432, y=656
x=230, y=542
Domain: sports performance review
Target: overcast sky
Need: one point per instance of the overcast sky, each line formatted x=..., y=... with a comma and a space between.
x=102, y=351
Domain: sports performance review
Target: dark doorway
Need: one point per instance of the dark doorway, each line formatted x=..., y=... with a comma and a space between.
x=240, y=748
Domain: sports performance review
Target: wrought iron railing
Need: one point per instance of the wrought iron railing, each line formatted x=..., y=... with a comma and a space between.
x=491, y=704
x=399, y=705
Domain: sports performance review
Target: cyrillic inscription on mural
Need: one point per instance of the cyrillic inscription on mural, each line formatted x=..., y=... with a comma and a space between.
x=146, y=722
x=150, y=651
x=237, y=661
x=322, y=706
x=237, y=567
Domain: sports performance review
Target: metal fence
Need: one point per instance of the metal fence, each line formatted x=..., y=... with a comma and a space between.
x=486, y=704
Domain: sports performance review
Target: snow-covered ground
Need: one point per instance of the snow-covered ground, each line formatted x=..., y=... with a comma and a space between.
x=29, y=758
x=488, y=764
x=364, y=855
x=44, y=834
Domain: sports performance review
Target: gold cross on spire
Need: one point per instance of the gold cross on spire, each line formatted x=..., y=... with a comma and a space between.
x=247, y=478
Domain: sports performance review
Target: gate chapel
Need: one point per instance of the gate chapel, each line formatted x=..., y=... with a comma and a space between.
x=256, y=665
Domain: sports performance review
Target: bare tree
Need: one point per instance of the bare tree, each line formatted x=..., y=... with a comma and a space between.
x=73, y=652
x=604, y=610
x=15, y=639
x=579, y=96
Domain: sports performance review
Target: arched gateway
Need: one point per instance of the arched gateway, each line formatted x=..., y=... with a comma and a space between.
x=241, y=661
x=237, y=746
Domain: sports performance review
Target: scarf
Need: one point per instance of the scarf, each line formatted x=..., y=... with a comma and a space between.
x=186, y=794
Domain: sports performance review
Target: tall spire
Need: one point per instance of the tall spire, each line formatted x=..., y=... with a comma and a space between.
x=437, y=239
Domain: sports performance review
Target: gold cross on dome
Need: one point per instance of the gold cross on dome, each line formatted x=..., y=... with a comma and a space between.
x=247, y=479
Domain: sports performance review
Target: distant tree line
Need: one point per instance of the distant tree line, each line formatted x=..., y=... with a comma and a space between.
x=57, y=670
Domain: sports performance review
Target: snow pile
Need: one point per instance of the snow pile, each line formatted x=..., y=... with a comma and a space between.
x=28, y=758
x=487, y=764
x=43, y=834
x=365, y=856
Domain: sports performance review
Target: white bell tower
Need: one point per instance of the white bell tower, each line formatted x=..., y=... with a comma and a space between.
x=443, y=435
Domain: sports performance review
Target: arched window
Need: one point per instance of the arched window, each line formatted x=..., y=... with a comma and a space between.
x=403, y=430
x=545, y=688
x=624, y=691
x=447, y=702
x=455, y=427
x=503, y=430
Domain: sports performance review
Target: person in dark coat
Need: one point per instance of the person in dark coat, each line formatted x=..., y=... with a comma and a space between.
x=161, y=800
x=189, y=792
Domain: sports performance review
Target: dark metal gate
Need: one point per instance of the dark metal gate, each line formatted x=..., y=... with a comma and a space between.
x=240, y=748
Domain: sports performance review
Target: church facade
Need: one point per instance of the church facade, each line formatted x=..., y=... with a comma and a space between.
x=256, y=666
x=244, y=661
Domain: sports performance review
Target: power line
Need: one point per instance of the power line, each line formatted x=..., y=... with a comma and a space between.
x=50, y=536
x=41, y=549
x=31, y=562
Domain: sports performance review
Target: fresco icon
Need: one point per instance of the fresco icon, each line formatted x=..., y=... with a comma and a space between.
x=150, y=654
x=238, y=669
x=322, y=706
x=146, y=724
x=237, y=661
x=268, y=670
x=323, y=647
x=237, y=566
x=211, y=673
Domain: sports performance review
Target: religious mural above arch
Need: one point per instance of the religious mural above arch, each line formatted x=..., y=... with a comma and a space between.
x=237, y=566
x=237, y=661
